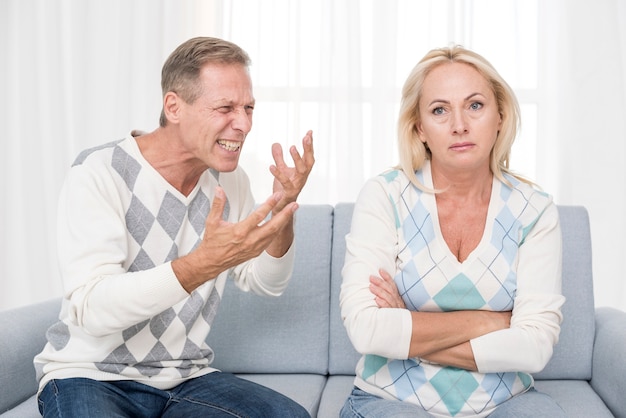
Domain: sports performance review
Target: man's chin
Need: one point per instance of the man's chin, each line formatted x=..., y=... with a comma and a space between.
x=226, y=168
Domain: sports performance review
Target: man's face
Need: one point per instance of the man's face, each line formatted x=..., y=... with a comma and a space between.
x=214, y=127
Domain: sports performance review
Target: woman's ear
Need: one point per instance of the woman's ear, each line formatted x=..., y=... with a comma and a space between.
x=420, y=132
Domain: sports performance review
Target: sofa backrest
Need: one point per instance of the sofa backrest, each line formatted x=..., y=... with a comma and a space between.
x=23, y=337
x=288, y=334
x=572, y=355
x=342, y=357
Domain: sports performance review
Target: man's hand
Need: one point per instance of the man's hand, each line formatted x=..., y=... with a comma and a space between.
x=291, y=180
x=226, y=244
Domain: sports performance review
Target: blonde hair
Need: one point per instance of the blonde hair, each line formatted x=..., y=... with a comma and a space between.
x=413, y=152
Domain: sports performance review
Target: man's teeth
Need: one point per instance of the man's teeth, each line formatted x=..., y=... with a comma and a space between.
x=229, y=145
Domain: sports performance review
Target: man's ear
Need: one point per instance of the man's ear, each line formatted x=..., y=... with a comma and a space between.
x=171, y=107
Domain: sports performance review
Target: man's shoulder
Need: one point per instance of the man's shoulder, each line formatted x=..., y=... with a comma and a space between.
x=80, y=159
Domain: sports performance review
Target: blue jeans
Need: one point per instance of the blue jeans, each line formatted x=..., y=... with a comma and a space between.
x=531, y=404
x=213, y=395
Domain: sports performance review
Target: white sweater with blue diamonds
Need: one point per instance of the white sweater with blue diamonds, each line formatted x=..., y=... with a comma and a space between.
x=124, y=314
x=516, y=266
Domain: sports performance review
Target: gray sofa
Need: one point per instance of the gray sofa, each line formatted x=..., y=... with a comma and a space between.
x=297, y=345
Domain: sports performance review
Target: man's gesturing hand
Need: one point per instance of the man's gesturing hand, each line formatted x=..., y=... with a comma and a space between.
x=291, y=180
x=226, y=244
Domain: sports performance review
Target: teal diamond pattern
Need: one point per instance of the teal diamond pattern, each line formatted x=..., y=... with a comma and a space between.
x=459, y=294
x=454, y=386
x=373, y=364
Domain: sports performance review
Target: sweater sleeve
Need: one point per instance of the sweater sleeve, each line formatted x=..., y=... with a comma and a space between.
x=370, y=246
x=266, y=275
x=527, y=345
x=92, y=246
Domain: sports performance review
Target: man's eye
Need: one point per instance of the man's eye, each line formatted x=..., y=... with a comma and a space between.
x=225, y=109
x=249, y=109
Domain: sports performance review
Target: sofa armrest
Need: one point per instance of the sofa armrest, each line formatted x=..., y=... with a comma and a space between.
x=608, y=375
x=22, y=336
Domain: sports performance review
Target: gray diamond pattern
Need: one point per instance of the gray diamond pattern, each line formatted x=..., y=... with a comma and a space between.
x=173, y=254
x=129, y=333
x=191, y=310
x=210, y=308
x=117, y=361
x=191, y=351
x=171, y=215
x=141, y=262
x=198, y=210
x=58, y=335
x=139, y=220
x=159, y=323
x=127, y=167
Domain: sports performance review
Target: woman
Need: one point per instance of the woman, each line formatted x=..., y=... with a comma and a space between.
x=452, y=279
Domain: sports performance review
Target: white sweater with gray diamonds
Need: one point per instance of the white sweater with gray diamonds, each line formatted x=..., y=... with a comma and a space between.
x=124, y=314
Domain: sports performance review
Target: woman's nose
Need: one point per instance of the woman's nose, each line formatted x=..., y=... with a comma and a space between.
x=459, y=123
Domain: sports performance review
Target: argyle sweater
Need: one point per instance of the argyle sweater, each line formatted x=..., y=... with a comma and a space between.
x=124, y=314
x=516, y=266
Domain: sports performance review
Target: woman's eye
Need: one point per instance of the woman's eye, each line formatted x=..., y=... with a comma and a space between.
x=476, y=105
x=438, y=111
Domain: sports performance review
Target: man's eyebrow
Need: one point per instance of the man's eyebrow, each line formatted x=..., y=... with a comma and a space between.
x=230, y=102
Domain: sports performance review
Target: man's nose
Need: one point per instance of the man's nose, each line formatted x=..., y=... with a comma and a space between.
x=242, y=120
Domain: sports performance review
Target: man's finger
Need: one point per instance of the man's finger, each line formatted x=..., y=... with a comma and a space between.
x=279, y=220
x=277, y=153
x=308, y=154
x=260, y=214
x=217, y=207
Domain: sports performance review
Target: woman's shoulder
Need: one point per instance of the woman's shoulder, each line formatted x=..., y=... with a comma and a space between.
x=392, y=178
x=520, y=197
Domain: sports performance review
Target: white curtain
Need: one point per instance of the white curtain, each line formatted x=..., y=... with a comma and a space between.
x=77, y=73
x=582, y=146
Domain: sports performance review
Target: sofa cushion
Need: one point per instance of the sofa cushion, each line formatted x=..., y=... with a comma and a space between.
x=288, y=334
x=335, y=393
x=576, y=397
x=27, y=409
x=306, y=389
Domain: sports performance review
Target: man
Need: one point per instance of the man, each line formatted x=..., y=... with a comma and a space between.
x=150, y=228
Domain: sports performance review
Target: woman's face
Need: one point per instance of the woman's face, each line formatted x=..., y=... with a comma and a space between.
x=460, y=119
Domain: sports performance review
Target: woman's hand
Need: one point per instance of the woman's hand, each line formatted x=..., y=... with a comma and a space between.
x=385, y=291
